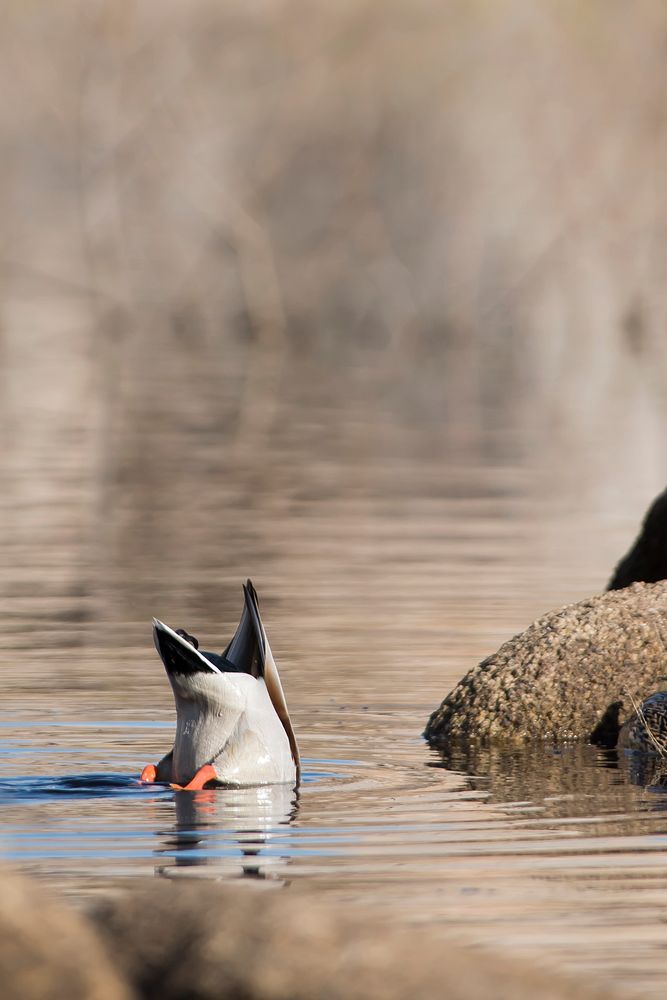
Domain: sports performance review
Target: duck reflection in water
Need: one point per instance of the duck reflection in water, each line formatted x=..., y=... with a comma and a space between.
x=233, y=830
x=646, y=772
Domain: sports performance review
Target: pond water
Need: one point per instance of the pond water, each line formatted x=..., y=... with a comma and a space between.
x=388, y=562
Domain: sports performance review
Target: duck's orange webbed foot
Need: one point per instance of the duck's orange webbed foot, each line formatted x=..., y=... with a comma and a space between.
x=149, y=774
x=202, y=777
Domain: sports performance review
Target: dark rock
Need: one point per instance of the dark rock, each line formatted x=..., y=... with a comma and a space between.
x=559, y=677
x=198, y=940
x=647, y=559
x=47, y=951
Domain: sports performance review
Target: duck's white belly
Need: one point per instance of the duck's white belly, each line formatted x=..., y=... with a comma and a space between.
x=256, y=758
x=228, y=721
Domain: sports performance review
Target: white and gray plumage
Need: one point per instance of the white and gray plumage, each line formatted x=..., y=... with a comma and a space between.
x=231, y=713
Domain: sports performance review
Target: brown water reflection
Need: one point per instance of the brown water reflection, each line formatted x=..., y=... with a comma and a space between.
x=387, y=564
x=391, y=344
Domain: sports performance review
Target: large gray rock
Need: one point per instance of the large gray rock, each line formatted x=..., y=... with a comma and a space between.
x=47, y=951
x=205, y=941
x=557, y=678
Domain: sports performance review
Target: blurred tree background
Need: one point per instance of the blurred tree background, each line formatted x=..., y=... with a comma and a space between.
x=256, y=253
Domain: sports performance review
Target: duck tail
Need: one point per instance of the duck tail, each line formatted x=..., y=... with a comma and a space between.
x=246, y=651
x=270, y=671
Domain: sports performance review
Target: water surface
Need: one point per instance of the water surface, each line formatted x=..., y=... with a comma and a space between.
x=388, y=561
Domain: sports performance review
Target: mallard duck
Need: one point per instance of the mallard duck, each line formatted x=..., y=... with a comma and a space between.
x=232, y=723
x=646, y=729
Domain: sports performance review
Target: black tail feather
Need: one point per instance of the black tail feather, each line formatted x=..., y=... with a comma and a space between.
x=252, y=604
x=246, y=650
